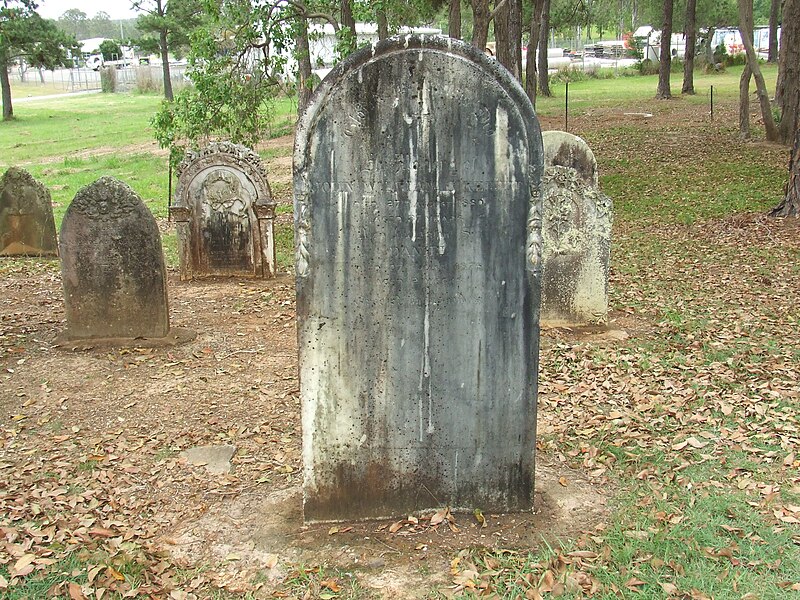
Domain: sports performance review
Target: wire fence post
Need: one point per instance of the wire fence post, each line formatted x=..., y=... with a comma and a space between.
x=712, y=103
x=566, y=107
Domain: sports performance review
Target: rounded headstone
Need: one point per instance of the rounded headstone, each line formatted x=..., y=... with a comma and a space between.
x=417, y=168
x=576, y=233
x=112, y=265
x=224, y=210
x=27, y=227
x=563, y=149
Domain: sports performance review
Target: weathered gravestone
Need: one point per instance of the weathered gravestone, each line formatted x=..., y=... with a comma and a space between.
x=576, y=233
x=417, y=168
x=27, y=227
x=224, y=213
x=112, y=266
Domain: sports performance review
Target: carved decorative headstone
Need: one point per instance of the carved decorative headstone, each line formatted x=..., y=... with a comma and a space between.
x=224, y=214
x=576, y=232
x=27, y=227
x=112, y=265
x=417, y=219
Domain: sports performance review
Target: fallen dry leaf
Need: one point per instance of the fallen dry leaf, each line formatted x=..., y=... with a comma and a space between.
x=75, y=592
x=331, y=584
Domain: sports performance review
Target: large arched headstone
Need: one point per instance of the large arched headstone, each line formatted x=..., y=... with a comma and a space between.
x=576, y=232
x=417, y=166
x=27, y=227
x=112, y=266
x=224, y=212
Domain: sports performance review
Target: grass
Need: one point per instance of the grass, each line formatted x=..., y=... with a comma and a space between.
x=628, y=92
x=324, y=583
x=30, y=89
x=70, y=142
x=64, y=127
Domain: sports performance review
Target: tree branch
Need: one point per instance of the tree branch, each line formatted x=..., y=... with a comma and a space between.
x=496, y=9
x=304, y=12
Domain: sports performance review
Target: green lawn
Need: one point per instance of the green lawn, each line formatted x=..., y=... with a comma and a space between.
x=636, y=91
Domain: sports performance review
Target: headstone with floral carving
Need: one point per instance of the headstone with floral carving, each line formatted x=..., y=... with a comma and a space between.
x=576, y=234
x=112, y=266
x=224, y=214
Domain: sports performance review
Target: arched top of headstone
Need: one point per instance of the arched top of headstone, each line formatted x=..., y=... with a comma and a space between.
x=223, y=154
x=562, y=149
x=351, y=67
x=13, y=184
x=417, y=228
x=106, y=199
x=16, y=177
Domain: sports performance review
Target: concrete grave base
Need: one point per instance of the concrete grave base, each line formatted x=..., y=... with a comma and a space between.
x=176, y=336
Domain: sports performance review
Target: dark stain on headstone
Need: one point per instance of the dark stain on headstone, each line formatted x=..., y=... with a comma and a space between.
x=576, y=230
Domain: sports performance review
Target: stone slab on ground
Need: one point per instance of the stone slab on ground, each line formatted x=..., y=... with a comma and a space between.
x=216, y=459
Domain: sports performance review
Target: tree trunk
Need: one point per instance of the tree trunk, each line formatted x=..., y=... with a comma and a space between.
x=533, y=43
x=774, y=15
x=691, y=42
x=665, y=61
x=790, y=206
x=744, y=103
x=480, y=23
x=515, y=37
x=544, y=34
x=454, y=20
x=787, y=93
x=303, y=54
x=746, y=31
x=501, y=37
x=349, y=21
x=162, y=42
x=383, y=24
x=5, y=85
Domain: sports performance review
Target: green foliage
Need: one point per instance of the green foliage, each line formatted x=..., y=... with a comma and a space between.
x=722, y=57
x=647, y=67
x=110, y=50
x=235, y=77
x=26, y=35
x=77, y=23
x=571, y=75
x=345, y=41
x=176, y=18
x=637, y=47
x=721, y=53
